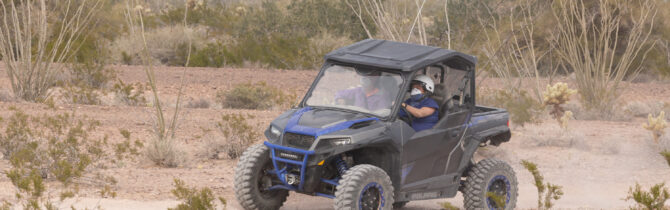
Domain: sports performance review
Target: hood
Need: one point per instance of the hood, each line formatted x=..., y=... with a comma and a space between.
x=317, y=122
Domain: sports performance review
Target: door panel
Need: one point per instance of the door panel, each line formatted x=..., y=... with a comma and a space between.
x=426, y=154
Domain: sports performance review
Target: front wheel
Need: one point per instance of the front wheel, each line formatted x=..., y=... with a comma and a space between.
x=252, y=180
x=364, y=187
x=491, y=184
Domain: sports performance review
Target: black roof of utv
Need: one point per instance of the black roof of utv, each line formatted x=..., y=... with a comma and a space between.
x=395, y=55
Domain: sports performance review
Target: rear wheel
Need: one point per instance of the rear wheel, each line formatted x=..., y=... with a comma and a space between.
x=491, y=184
x=364, y=187
x=252, y=180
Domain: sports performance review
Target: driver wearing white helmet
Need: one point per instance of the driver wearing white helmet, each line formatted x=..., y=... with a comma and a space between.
x=421, y=107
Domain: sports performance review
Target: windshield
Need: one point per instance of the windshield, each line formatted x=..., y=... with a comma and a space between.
x=362, y=90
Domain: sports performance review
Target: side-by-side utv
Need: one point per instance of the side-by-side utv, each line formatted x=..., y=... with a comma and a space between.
x=368, y=157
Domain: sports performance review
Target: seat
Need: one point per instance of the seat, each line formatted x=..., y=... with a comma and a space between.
x=441, y=96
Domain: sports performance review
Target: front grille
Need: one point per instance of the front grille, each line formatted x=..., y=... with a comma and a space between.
x=298, y=140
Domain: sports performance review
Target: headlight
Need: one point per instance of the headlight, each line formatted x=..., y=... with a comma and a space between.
x=339, y=141
x=324, y=143
x=274, y=133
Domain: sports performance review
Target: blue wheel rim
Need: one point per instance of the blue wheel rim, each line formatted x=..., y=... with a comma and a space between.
x=374, y=191
x=501, y=186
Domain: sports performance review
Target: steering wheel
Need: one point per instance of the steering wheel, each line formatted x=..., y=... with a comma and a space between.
x=408, y=118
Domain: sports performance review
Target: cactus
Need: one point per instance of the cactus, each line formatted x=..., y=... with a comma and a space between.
x=656, y=125
x=565, y=119
x=555, y=96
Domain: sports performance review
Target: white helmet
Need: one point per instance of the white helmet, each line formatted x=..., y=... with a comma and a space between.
x=428, y=84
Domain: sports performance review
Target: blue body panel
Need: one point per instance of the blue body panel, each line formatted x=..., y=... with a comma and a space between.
x=292, y=126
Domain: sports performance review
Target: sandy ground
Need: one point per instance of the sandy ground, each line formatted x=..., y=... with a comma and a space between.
x=595, y=161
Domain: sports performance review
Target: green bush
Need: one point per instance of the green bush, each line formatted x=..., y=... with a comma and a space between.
x=194, y=199
x=652, y=200
x=521, y=106
x=40, y=148
x=253, y=96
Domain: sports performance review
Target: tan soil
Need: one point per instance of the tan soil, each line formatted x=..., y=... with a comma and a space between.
x=595, y=170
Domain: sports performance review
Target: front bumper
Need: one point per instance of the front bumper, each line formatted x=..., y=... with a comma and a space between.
x=289, y=162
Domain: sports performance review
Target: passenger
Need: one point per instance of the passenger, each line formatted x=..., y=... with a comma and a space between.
x=422, y=107
x=368, y=95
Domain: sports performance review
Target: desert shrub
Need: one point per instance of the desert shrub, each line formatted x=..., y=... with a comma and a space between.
x=212, y=55
x=237, y=134
x=666, y=155
x=162, y=149
x=41, y=44
x=200, y=103
x=126, y=149
x=448, y=206
x=193, y=198
x=253, y=96
x=652, y=200
x=555, y=96
x=48, y=147
x=94, y=75
x=163, y=44
x=521, y=106
x=599, y=62
x=656, y=125
x=129, y=94
x=642, y=109
x=565, y=119
x=546, y=192
x=81, y=95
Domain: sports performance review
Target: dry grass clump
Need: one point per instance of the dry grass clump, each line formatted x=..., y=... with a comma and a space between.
x=642, y=109
x=237, y=133
x=254, y=96
x=200, y=103
x=165, y=153
x=653, y=200
x=546, y=192
x=193, y=198
x=656, y=125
